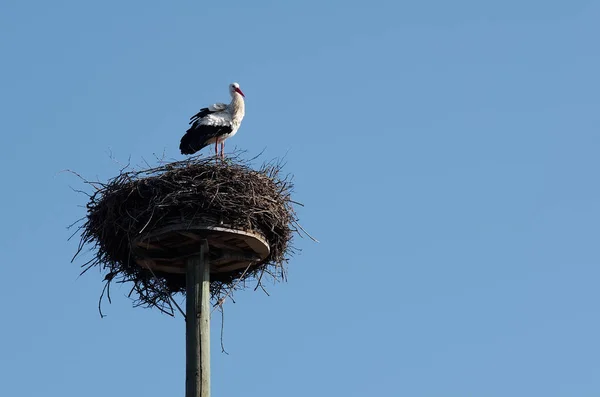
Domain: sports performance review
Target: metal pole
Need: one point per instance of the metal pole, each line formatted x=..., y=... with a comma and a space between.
x=197, y=328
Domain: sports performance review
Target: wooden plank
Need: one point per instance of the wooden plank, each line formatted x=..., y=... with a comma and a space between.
x=232, y=267
x=217, y=243
x=260, y=247
x=205, y=228
x=240, y=258
x=174, y=245
x=148, y=246
x=193, y=236
x=164, y=256
x=176, y=268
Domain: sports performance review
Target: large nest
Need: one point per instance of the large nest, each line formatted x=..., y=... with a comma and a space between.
x=137, y=202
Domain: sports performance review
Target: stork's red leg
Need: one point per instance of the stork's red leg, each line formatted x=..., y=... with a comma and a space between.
x=223, y=150
x=216, y=148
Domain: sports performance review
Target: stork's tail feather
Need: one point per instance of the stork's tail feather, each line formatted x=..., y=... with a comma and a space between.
x=191, y=142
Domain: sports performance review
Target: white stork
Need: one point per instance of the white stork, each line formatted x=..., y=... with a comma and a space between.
x=214, y=124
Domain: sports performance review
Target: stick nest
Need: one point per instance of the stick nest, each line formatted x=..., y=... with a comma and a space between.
x=137, y=202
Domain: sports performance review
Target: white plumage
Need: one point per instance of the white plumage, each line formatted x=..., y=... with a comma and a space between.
x=215, y=123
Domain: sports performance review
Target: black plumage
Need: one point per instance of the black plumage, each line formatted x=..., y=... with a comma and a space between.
x=199, y=136
x=214, y=124
x=202, y=113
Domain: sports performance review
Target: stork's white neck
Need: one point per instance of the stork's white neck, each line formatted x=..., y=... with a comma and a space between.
x=237, y=107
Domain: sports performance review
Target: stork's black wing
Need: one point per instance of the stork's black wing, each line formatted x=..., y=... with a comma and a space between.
x=199, y=136
x=202, y=113
x=204, y=132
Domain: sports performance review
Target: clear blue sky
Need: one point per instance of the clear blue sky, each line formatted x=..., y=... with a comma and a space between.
x=446, y=152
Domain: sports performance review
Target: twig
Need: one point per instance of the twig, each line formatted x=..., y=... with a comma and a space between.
x=222, y=300
x=305, y=232
x=168, y=294
x=222, y=328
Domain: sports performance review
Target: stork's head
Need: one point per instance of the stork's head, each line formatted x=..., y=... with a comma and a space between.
x=235, y=87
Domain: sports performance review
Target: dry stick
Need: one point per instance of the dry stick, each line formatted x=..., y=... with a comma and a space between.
x=147, y=223
x=222, y=300
x=170, y=297
x=93, y=184
x=100, y=300
x=259, y=279
x=222, y=327
x=301, y=228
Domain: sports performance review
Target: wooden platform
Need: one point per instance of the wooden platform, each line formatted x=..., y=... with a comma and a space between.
x=166, y=249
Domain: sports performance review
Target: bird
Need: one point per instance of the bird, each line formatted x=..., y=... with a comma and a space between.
x=214, y=124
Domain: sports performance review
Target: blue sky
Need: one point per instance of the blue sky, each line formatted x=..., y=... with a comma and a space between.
x=446, y=154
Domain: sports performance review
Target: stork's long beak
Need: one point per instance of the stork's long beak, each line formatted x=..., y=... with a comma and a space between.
x=240, y=92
